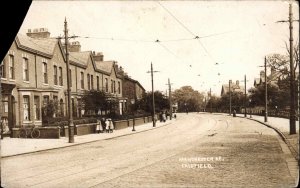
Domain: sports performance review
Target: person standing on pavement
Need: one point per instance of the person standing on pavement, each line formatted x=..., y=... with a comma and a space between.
x=164, y=117
x=103, y=124
x=111, y=125
x=107, y=128
x=98, y=125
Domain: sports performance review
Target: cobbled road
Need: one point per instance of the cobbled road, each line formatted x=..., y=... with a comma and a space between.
x=196, y=150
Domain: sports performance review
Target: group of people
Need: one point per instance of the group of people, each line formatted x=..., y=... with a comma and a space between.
x=163, y=116
x=105, y=125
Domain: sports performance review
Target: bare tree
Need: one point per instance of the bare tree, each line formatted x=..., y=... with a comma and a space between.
x=281, y=63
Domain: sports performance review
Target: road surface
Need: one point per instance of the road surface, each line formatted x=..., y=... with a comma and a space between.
x=197, y=150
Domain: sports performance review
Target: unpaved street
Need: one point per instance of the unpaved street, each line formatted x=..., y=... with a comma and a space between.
x=197, y=150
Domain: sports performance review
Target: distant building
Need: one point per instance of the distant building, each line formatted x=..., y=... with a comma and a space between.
x=132, y=90
x=235, y=87
x=273, y=78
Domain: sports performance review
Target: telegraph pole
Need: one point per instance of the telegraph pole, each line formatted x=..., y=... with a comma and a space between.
x=245, y=115
x=230, y=97
x=170, y=98
x=245, y=97
x=292, y=75
x=1, y=122
x=71, y=124
x=153, y=102
x=266, y=92
x=292, y=78
x=210, y=100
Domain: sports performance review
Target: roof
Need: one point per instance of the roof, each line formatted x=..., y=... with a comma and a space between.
x=43, y=46
x=135, y=81
x=274, y=76
x=234, y=88
x=105, y=66
x=256, y=81
x=80, y=57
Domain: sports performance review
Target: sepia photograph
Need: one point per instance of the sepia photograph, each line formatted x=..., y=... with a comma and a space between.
x=150, y=94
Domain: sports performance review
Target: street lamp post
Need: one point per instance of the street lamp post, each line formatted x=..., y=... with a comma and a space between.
x=250, y=108
x=71, y=124
x=133, y=124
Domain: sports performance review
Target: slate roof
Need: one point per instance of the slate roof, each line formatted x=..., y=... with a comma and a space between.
x=234, y=88
x=256, y=81
x=80, y=57
x=105, y=66
x=273, y=78
x=43, y=46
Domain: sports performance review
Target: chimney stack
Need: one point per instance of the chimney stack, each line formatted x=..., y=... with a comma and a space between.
x=38, y=33
x=74, y=46
x=98, y=57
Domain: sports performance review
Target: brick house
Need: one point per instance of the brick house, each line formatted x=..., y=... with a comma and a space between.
x=34, y=72
x=235, y=87
x=273, y=77
x=132, y=90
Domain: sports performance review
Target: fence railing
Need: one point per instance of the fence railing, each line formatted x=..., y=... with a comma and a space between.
x=259, y=112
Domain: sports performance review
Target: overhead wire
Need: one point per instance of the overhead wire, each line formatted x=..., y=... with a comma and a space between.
x=187, y=29
x=176, y=18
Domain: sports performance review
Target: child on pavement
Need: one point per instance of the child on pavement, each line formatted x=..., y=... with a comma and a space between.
x=107, y=128
x=111, y=125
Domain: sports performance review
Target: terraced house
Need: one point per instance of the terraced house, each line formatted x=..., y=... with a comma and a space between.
x=34, y=73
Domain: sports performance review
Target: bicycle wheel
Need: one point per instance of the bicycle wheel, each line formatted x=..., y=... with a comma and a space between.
x=23, y=133
x=35, y=133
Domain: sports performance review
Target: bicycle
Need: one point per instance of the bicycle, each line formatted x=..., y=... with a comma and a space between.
x=34, y=132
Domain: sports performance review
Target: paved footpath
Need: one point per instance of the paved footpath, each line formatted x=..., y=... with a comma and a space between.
x=19, y=146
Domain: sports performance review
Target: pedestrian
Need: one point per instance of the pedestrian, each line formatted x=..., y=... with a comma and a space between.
x=111, y=125
x=164, y=117
x=98, y=125
x=103, y=125
x=107, y=129
x=160, y=117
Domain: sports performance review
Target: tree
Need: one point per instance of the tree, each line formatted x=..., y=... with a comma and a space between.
x=237, y=101
x=276, y=96
x=214, y=103
x=94, y=101
x=49, y=110
x=188, y=99
x=145, y=104
x=281, y=63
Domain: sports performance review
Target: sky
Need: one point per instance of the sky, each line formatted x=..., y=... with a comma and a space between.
x=234, y=37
